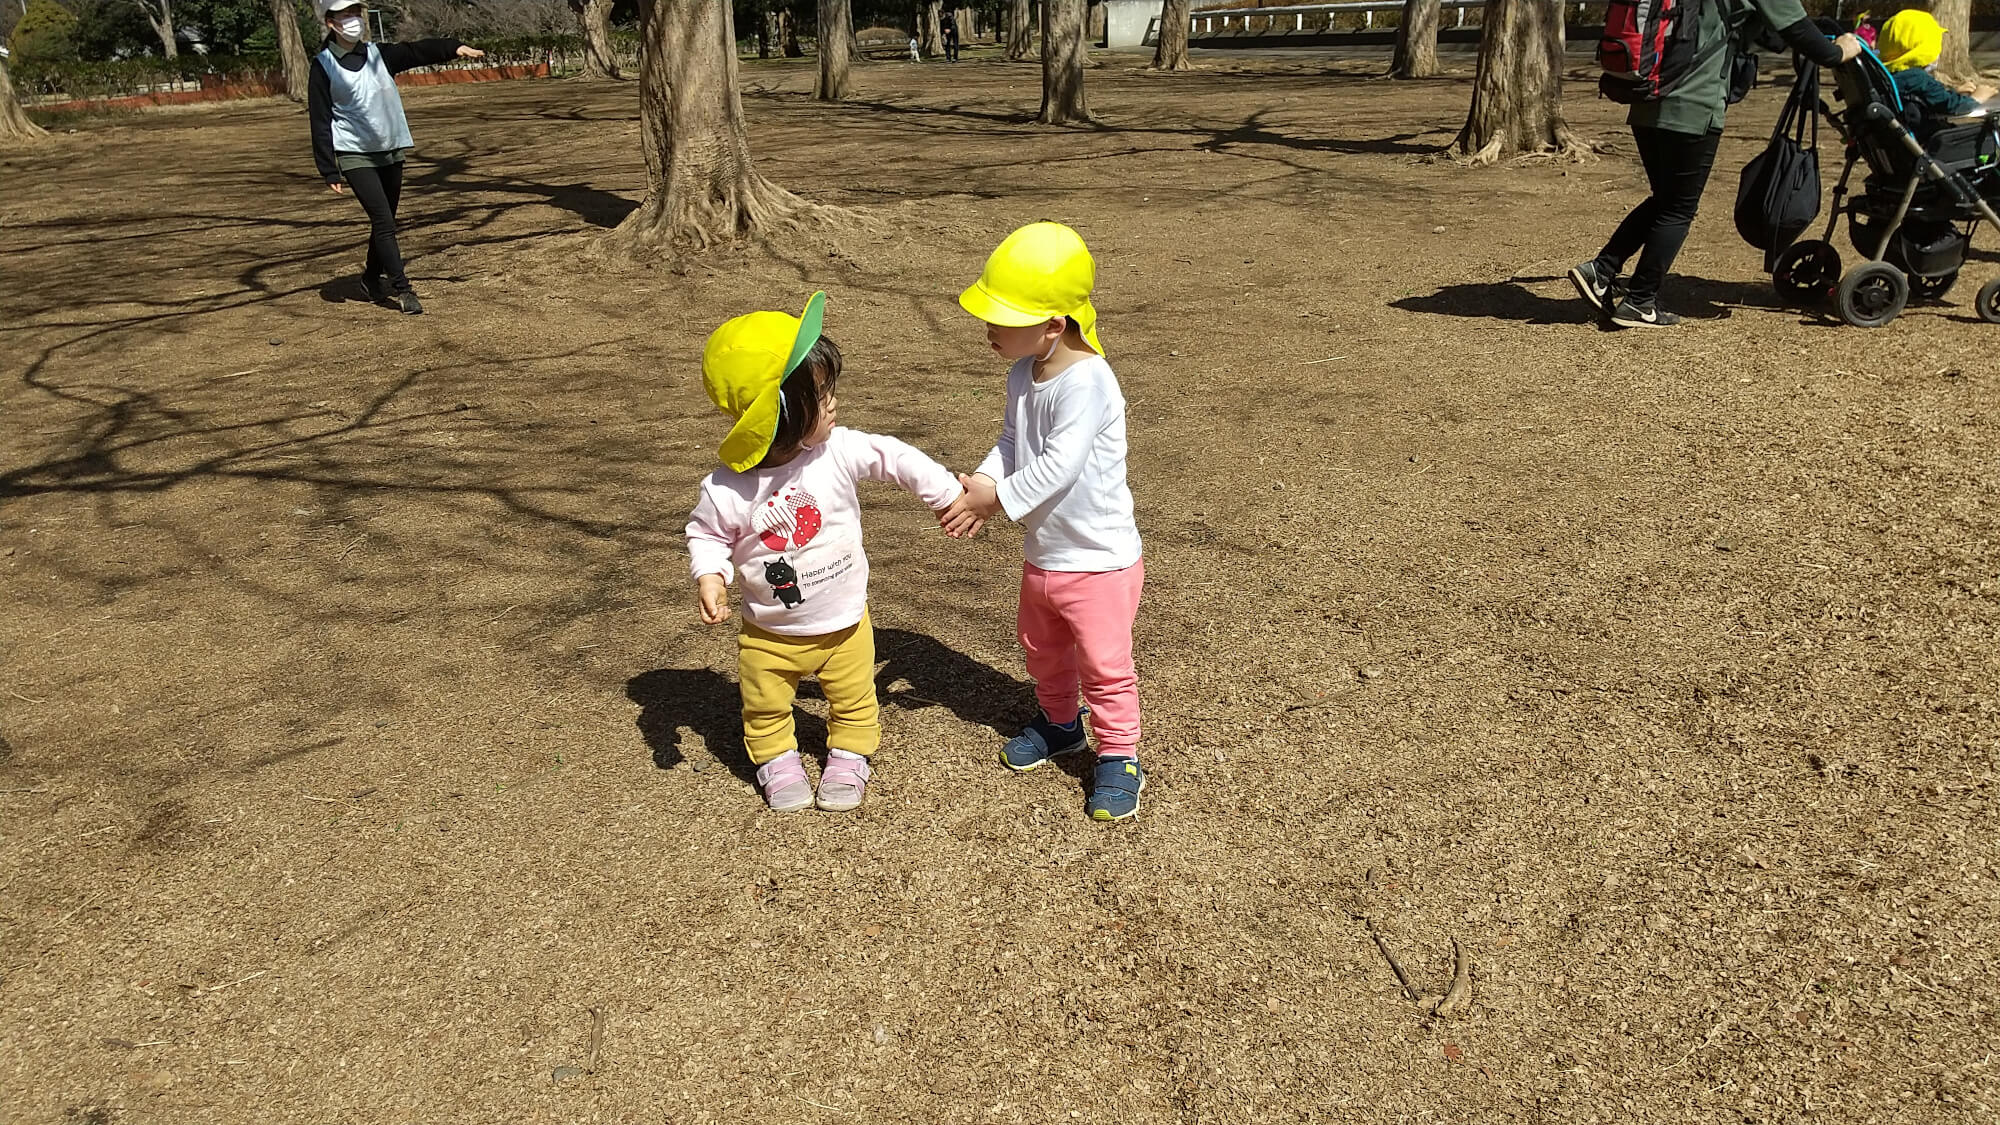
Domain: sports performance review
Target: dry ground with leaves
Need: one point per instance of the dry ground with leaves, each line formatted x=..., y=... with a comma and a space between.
x=364, y=760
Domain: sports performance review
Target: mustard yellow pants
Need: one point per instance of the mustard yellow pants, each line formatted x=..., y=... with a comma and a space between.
x=769, y=667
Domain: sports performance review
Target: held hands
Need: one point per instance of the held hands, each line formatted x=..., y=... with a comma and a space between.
x=465, y=52
x=337, y=187
x=980, y=501
x=714, y=594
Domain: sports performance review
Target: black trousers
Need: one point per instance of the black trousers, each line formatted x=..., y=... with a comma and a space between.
x=1677, y=167
x=379, y=190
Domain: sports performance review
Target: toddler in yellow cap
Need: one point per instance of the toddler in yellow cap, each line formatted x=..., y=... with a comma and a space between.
x=783, y=514
x=1910, y=44
x=1059, y=471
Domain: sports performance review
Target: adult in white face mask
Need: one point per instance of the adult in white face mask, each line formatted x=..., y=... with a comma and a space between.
x=360, y=138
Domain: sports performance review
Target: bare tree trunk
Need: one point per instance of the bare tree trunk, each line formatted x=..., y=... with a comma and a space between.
x=291, y=48
x=1063, y=54
x=14, y=124
x=704, y=188
x=1020, y=21
x=968, y=25
x=767, y=22
x=788, y=37
x=1954, y=67
x=930, y=33
x=1416, y=41
x=1517, y=90
x=836, y=49
x=1095, y=23
x=1170, y=49
x=600, y=60
x=160, y=14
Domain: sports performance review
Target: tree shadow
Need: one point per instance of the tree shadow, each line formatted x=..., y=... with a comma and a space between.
x=917, y=672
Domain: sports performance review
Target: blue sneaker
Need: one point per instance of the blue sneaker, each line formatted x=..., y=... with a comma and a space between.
x=1043, y=740
x=1115, y=789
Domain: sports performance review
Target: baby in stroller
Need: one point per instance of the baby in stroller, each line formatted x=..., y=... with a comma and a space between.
x=1928, y=183
x=1909, y=45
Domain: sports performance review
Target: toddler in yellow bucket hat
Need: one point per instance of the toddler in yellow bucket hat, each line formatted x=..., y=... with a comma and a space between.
x=1059, y=471
x=1910, y=44
x=783, y=514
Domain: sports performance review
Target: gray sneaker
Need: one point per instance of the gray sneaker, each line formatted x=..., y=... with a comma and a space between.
x=1592, y=285
x=1629, y=313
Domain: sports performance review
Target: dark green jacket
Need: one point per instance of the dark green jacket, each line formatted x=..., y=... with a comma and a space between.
x=1697, y=104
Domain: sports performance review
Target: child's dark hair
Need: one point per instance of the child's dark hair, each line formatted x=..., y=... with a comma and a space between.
x=801, y=398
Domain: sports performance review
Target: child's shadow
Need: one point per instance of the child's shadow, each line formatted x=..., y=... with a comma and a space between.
x=918, y=672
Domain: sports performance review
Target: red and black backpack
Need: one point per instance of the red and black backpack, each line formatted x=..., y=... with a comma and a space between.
x=1650, y=46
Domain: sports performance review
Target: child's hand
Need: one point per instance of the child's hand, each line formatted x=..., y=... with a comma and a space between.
x=714, y=598
x=977, y=504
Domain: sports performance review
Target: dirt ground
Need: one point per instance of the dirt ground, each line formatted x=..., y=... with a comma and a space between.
x=361, y=740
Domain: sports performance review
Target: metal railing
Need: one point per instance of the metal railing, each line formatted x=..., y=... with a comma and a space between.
x=1206, y=21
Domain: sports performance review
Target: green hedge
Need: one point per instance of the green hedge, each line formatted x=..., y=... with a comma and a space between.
x=112, y=79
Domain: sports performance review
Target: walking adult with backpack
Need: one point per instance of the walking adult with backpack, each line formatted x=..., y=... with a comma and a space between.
x=360, y=138
x=1679, y=64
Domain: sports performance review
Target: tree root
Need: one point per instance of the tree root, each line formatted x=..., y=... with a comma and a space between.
x=686, y=221
x=1460, y=992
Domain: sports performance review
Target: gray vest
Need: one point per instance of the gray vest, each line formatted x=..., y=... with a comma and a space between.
x=367, y=111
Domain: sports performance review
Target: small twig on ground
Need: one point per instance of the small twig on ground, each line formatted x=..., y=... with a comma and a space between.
x=1328, y=359
x=245, y=980
x=1461, y=982
x=321, y=800
x=357, y=542
x=64, y=920
x=504, y=613
x=25, y=699
x=596, y=1041
x=1395, y=967
x=819, y=1105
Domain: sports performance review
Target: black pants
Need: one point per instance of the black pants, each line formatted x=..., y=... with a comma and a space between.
x=951, y=47
x=1677, y=167
x=379, y=190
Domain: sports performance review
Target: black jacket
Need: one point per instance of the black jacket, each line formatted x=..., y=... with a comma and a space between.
x=398, y=57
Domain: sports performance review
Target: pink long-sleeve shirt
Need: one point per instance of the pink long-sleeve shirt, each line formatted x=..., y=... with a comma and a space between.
x=794, y=531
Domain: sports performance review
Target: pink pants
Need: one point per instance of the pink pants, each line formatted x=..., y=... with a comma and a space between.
x=1076, y=630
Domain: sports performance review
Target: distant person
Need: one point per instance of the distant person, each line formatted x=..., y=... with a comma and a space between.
x=916, y=50
x=360, y=138
x=1910, y=44
x=1677, y=136
x=948, y=29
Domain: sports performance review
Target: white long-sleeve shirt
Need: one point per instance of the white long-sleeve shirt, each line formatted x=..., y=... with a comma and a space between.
x=1060, y=467
x=794, y=531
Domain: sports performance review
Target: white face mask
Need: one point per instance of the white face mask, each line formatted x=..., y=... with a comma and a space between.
x=348, y=28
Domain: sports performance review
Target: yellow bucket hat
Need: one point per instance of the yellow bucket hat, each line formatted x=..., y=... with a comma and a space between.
x=743, y=365
x=1041, y=271
x=1910, y=39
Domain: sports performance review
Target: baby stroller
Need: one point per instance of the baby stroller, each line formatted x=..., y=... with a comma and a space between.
x=1914, y=215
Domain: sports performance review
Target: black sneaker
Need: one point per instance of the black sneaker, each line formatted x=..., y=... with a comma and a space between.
x=1592, y=285
x=1629, y=313
x=409, y=303
x=377, y=286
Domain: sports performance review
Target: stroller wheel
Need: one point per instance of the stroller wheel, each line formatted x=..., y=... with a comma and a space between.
x=1931, y=288
x=1807, y=271
x=1872, y=295
x=1988, y=301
